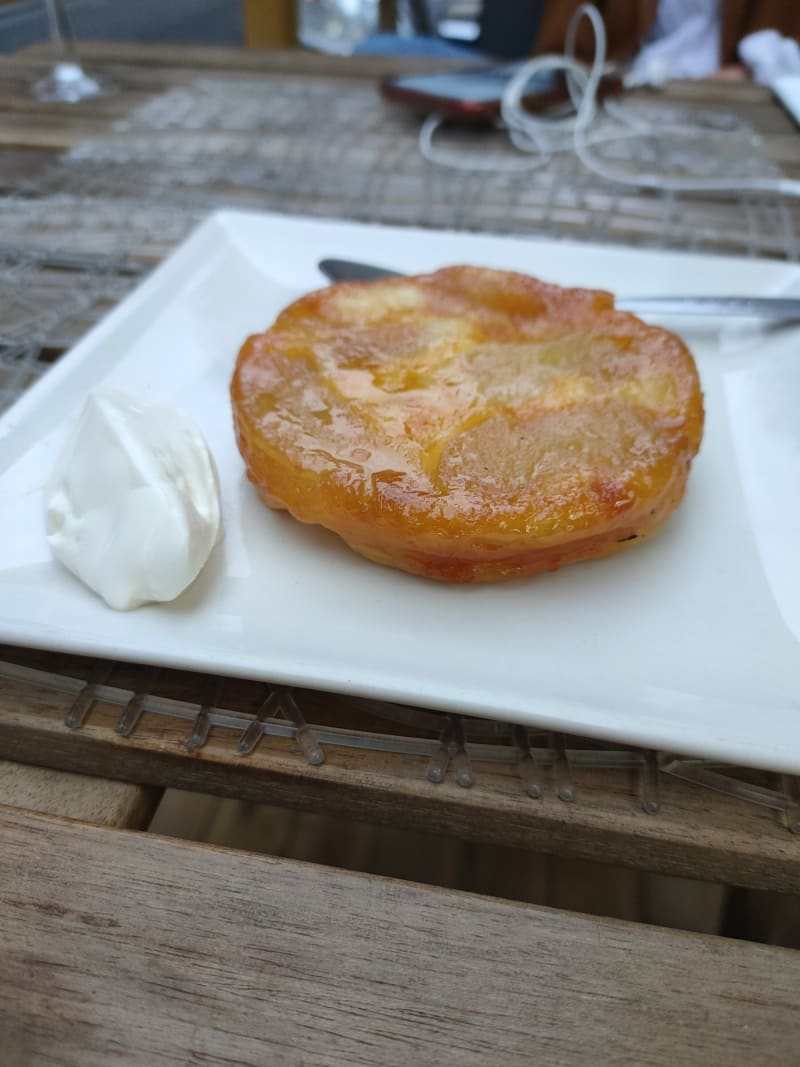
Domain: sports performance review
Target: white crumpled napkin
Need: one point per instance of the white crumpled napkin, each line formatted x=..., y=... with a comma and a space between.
x=769, y=55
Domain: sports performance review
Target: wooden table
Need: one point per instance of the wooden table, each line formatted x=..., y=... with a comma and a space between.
x=122, y=946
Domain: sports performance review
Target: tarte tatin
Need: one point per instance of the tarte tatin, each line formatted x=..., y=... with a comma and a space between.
x=469, y=425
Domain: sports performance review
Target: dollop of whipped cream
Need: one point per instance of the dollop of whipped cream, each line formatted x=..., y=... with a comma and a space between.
x=133, y=506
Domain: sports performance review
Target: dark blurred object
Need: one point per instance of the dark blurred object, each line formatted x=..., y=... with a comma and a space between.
x=422, y=17
x=181, y=21
x=509, y=28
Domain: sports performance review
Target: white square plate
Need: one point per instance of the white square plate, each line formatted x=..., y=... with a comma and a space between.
x=687, y=643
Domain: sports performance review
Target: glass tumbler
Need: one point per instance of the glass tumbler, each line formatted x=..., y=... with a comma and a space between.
x=336, y=26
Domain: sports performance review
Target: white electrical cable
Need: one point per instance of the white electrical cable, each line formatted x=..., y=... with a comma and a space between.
x=539, y=139
x=434, y=154
x=530, y=132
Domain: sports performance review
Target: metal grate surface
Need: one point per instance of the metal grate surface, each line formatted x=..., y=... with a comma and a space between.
x=73, y=242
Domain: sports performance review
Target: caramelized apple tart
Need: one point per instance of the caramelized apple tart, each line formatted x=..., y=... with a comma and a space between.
x=468, y=425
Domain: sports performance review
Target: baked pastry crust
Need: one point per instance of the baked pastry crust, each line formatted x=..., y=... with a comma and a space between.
x=471, y=424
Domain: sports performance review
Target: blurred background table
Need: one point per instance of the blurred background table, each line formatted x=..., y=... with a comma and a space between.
x=91, y=197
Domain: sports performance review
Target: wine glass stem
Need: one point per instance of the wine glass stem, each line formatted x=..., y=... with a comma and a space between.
x=61, y=32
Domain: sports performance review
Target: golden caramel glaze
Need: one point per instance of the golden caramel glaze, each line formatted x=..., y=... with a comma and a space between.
x=468, y=425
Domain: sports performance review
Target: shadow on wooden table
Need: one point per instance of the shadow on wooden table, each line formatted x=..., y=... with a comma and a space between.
x=494, y=870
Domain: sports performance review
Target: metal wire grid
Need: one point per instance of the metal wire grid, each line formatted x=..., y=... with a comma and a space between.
x=329, y=147
x=75, y=241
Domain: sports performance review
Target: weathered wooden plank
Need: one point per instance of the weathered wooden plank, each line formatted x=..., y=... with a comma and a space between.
x=76, y=796
x=697, y=834
x=20, y=166
x=128, y=948
x=20, y=129
x=209, y=58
